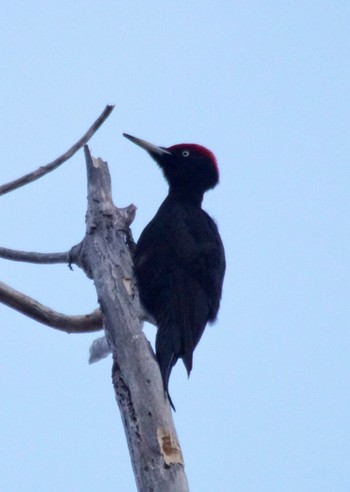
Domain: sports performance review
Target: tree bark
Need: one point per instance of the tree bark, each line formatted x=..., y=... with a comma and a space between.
x=105, y=256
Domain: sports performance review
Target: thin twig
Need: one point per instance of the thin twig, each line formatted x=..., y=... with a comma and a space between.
x=33, y=309
x=32, y=257
x=42, y=170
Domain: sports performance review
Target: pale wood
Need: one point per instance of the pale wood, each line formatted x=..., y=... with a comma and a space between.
x=105, y=256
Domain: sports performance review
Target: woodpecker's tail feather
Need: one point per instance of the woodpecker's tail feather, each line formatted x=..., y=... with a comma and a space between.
x=170, y=400
x=166, y=360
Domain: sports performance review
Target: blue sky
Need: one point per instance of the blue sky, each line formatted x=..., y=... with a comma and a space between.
x=264, y=85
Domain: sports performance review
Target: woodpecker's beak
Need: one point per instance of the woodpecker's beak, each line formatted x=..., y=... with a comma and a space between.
x=154, y=150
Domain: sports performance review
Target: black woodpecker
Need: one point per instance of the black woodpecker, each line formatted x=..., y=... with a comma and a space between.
x=180, y=259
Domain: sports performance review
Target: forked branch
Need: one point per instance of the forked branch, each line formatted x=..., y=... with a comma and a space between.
x=105, y=255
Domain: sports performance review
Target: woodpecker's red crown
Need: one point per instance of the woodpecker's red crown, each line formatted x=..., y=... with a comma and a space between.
x=196, y=149
x=188, y=167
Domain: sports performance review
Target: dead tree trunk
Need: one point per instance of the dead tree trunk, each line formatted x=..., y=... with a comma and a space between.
x=105, y=256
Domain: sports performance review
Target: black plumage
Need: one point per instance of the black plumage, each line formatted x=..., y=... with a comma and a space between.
x=179, y=259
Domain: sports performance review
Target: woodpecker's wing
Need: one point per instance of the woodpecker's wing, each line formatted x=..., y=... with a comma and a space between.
x=197, y=245
x=180, y=265
x=186, y=238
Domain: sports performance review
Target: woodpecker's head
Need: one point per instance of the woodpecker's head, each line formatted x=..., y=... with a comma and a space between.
x=185, y=166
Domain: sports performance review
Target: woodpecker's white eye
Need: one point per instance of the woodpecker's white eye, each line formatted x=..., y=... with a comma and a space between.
x=185, y=153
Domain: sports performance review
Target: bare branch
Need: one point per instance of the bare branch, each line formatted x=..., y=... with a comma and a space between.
x=33, y=309
x=32, y=257
x=42, y=170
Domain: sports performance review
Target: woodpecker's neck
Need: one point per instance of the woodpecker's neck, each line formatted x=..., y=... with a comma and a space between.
x=192, y=197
